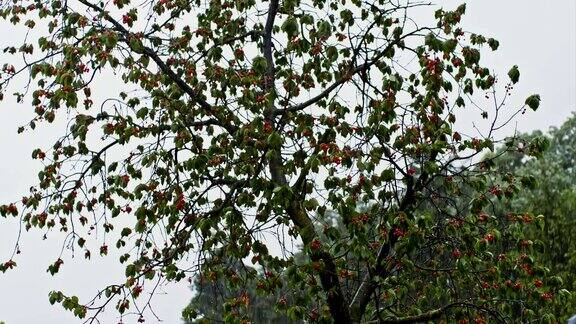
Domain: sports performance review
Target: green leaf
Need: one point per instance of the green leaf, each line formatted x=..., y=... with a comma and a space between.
x=514, y=74
x=533, y=101
x=311, y=204
x=290, y=27
x=460, y=102
x=494, y=44
x=324, y=29
x=259, y=64
x=136, y=45
x=449, y=46
x=274, y=140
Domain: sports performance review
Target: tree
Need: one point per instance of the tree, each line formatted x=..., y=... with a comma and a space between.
x=246, y=123
x=551, y=198
x=212, y=298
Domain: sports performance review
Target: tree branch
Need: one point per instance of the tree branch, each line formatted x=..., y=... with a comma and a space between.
x=328, y=273
x=362, y=68
x=425, y=317
x=367, y=287
x=162, y=66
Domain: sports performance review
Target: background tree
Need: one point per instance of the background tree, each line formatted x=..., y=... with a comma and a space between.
x=551, y=198
x=243, y=123
x=212, y=299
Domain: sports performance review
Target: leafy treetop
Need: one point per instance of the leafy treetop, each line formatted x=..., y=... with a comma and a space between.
x=245, y=124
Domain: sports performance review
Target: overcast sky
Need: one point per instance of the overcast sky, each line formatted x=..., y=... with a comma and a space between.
x=538, y=36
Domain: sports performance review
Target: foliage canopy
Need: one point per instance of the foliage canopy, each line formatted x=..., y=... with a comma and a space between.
x=246, y=126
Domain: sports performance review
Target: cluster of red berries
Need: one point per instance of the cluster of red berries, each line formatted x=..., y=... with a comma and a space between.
x=457, y=137
x=267, y=128
x=538, y=283
x=9, y=264
x=547, y=296
x=127, y=20
x=360, y=219
x=12, y=209
x=489, y=238
x=180, y=203
x=136, y=290
x=433, y=65
x=10, y=69
x=482, y=217
x=456, y=253
x=315, y=245
x=496, y=191
x=125, y=179
x=398, y=232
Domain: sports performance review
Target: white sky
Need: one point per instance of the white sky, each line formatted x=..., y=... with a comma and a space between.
x=538, y=36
